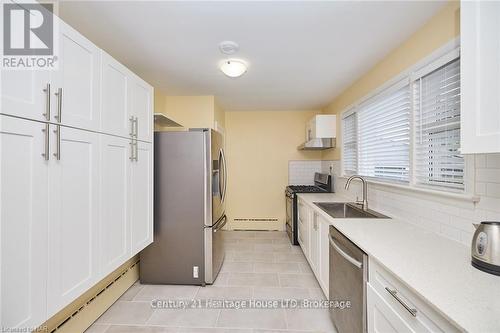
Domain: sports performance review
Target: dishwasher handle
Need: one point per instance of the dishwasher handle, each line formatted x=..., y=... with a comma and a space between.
x=343, y=254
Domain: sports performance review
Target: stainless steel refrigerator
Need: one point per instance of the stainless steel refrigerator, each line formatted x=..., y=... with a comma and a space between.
x=189, y=209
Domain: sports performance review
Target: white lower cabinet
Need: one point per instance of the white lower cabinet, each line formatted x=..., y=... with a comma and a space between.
x=141, y=197
x=393, y=307
x=313, y=239
x=73, y=215
x=23, y=223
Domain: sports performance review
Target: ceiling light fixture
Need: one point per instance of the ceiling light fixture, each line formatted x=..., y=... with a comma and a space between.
x=233, y=67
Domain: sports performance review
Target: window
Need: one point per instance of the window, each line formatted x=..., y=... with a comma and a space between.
x=410, y=132
x=437, y=128
x=384, y=136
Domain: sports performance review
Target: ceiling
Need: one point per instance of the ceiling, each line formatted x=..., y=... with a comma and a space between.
x=300, y=54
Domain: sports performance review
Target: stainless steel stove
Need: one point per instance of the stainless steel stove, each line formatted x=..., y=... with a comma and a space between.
x=322, y=184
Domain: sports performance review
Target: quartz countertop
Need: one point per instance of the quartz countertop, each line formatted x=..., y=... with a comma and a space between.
x=435, y=268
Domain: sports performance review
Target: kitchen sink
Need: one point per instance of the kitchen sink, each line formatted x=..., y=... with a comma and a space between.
x=351, y=210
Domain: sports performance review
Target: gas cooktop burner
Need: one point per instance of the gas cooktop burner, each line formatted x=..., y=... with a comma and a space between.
x=305, y=189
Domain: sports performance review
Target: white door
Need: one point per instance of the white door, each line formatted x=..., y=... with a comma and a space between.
x=114, y=240
x=77, y=78
x=141, y=96
x=115, y=91
x=314, y=255
x=23, y=226
x=141, y=198
x=25, y=94
x=73, y=216
x=480, y=76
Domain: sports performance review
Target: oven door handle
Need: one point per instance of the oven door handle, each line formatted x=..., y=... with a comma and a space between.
x=343, y=254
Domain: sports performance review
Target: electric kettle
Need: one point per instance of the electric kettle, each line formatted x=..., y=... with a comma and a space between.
x=485, y=248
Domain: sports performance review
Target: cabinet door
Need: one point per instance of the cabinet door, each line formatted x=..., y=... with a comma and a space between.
x=480, y=76
x=115, y=90
x=141, y=102
x=314, y=248
x=381, y=316
x=141, y=198
x=78, y=76
x=25, y=93
x=73, y=216
x=114, y=240
x=23, y=223
x=303, y=228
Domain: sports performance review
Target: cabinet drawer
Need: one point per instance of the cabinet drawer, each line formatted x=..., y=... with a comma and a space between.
x=403, y=301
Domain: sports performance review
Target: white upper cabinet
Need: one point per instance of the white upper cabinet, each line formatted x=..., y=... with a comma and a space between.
x=73, y=216
x=480, y=76
x=115, y=91
x=321, y=127
x=23, y=223
x=75, y=85
x=141, y=197
x=26, y=94
x=141, y=108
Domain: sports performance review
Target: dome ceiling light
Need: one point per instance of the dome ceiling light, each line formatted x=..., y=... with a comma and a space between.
x=233, y=67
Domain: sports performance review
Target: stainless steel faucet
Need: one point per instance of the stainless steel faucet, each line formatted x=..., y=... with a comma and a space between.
x=364, y=202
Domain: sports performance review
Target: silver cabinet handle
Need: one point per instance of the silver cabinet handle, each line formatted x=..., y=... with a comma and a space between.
x=136, y=151
x=57, y=154
x=394, y=293
x=46, y=153
x=136, y=127
x=59, y=95
x=131, y=126
x=47, y=102
x=343, y=254
x=132, y=151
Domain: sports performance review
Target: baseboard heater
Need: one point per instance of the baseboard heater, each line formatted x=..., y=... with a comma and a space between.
x=256, y=220
x=58, y=327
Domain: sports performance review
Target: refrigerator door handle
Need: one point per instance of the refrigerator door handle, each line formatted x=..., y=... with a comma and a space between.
x=225, y=174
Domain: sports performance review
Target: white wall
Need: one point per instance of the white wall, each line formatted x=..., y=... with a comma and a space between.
x=449, y=217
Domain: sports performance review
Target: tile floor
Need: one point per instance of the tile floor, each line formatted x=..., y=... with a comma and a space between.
x=259, y=265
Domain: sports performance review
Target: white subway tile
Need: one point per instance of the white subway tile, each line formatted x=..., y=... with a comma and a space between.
x=493, y=161
x=480, y=161
x=493, y=190
x=488, y=175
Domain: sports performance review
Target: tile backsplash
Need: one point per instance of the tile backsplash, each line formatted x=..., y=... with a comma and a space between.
x=449, y=217
x=302, y=172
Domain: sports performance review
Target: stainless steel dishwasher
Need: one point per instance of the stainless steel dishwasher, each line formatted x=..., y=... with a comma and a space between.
x=348, y=276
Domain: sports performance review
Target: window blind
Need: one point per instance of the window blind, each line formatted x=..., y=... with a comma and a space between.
x=383, y=128
x=437, y=128
x=349, y=139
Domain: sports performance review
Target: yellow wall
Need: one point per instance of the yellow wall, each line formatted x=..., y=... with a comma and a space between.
x=190, y=111
x=439, y=30
x=259, y=145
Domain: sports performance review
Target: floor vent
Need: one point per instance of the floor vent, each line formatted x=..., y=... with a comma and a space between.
x=256, y=220
x=93, y=298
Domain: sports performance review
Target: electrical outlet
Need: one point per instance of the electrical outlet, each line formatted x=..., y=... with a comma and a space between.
x=196, y=272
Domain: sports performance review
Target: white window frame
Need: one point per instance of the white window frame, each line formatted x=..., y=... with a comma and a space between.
x=440, y=57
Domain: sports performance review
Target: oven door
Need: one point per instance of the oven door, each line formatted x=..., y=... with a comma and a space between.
x=289, y=217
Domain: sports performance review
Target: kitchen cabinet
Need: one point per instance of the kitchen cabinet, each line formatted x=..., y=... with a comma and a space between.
x=141, y=104
x=115, y=90
x=115, y=184
x=480, y=76
x=321, y=126
x=23, y=223
x=141, y=197
x=303, y=227
x=313, y=240
x=126, y=102
x=73, y=216
x=393, y=307
x=75, y=84
x=25, y=93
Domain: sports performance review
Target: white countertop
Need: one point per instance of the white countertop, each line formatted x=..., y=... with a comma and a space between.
x=434, y=267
